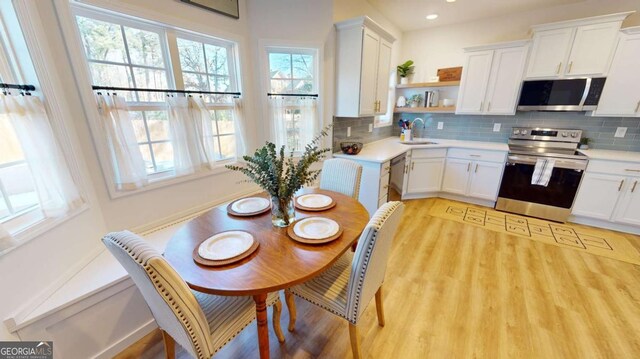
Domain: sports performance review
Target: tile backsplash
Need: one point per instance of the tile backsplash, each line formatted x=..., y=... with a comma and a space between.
x=359, y=131
x=480, y=128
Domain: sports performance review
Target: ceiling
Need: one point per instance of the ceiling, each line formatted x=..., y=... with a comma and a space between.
x=410, y=14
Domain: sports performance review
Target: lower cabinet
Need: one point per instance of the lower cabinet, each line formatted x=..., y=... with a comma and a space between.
x=609, y=197
x=374, y=184
x=424, y=170
x=477, y=179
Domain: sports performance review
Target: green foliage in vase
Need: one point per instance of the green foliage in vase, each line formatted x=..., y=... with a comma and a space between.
x=280, y=175
x=405, y=69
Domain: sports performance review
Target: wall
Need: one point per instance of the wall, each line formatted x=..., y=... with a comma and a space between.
x=480, y=128
x=359, y=131
x=440, y=47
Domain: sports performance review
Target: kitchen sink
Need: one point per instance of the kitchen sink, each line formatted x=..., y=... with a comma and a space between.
x=419, y=142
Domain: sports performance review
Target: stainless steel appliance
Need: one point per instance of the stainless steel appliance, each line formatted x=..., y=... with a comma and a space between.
x=526, y=146
x=581, y=94
x=431, y=98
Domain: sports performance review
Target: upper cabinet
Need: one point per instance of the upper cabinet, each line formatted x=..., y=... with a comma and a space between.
x=581, y=47
x=621, y=93
x=491, y=79
x=363, y=68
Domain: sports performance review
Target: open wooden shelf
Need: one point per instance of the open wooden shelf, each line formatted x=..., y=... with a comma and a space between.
x=428, y=84
x=450, y=109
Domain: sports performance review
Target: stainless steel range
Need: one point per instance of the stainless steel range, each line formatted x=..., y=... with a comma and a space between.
x=554, y=152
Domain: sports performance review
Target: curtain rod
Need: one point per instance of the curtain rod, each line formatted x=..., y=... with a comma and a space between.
x=292, y=94
x=107, y=88
x=17, y=87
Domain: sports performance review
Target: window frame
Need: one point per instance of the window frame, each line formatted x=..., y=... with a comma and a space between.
x=169, y=37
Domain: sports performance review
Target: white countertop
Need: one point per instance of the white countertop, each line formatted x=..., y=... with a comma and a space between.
x=390, y=147
x=611, y=155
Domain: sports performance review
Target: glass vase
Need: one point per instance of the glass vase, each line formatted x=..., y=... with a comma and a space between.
x=282, y=211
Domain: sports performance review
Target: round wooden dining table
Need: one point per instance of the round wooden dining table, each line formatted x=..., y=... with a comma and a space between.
x=278, y=263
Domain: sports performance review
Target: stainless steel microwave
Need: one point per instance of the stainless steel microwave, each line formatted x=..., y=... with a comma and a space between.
x=582, y=94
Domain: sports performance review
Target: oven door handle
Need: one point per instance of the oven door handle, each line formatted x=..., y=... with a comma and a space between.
x=512, y=160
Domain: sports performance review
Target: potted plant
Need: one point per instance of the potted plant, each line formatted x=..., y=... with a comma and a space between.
x=280, y=176
x=404, y=70
x=416, y=100
x=584, y=143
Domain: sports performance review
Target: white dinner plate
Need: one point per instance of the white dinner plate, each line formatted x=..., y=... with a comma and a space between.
x=314, y=200
x=250, y=205
x=225, y=245
x=316, y=228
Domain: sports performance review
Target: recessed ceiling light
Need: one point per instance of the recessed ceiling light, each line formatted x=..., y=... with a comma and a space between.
x=432, y=16
x=451, y=0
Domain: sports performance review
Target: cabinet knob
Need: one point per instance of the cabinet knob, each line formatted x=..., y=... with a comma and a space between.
x=638, y=106
x=570, y=66
x=634, y=186
x=468, y=166
x=476, y=171
x=412, y=164
x=620, y=186
x=559, y=66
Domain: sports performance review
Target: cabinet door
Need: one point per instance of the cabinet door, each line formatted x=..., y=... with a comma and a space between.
x=549, y=52
x=628, y=209
x=475, y=76
x=425, y=175
x=592, y=49
x=370, y=45
x=382, y=77
x=507, y=71
x=598, y=195
x=621, y=93
x=456, y=176
x=485, y=180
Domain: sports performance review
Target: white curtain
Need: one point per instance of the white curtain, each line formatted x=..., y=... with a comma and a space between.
x=187, y=119
x=203, y=128
x=128, y=166
x=57, y=192
x=241, y=130
x=307, y=121
x=6, y=241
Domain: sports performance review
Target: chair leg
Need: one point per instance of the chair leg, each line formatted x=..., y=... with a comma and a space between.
x=355, y=342
x=277, y=309
x=379, y=307
x=169, y=345
x=291, y=306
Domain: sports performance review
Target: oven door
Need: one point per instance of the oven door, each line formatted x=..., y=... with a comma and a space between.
x=561, y=191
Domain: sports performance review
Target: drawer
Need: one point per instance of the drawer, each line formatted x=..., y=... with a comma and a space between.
x=614, y=167
x=385, y=168
x=429, y=153
x=384, y=184
x=477, y=155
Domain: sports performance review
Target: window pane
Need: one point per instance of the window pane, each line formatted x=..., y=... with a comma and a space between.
x=147, y=78
x=216, y=60
x=4, y=209
x=110, y=75
x=195, y=82
x=102, y=40
x=225, y=122
x=280, y=65
x=219, y=83
x=163, y=153
x=281, y=86
x=292, y=120
x=144, y=47
x=302, y=66
x=19, y=187
x=227, y=146
x=300, y=86
x=191, y=56
x=138, y=126
x=10, y=150
x=158, y=125
x=146, y=156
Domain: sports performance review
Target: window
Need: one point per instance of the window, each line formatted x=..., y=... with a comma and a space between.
x=124, y=52
x=292, y=88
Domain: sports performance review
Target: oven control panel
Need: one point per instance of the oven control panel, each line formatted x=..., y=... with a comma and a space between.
x=546, y=134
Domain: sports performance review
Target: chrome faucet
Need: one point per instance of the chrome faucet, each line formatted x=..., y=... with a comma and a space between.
x=418, y=119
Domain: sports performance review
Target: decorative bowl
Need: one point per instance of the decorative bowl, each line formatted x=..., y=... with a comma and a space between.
x=351, y=148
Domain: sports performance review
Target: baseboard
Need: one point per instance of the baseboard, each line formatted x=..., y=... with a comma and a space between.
x=127, y=341
x=604, y=224
x=479, y=202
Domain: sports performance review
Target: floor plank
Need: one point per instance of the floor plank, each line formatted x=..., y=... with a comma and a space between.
x=459, y=291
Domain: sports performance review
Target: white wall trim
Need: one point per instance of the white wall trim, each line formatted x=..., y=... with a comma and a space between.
x=584, y=21
x=127, y=340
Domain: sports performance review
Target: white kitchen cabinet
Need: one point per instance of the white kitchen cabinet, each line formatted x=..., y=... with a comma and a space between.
x=621, y=93
x=374, y=184
x=492, y=78
x=473, y=173
x=582, y=47
x=610, y=191
x=363, y=67
x=425, y=175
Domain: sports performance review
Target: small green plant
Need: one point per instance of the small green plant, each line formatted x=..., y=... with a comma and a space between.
x=417, y=99
x=406, y=69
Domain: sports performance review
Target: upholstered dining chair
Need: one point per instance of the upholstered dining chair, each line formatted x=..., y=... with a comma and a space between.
x=342, y=176
x=201, y=323
x=346, y=288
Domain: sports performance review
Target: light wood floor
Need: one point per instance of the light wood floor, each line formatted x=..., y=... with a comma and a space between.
x=459, y=291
